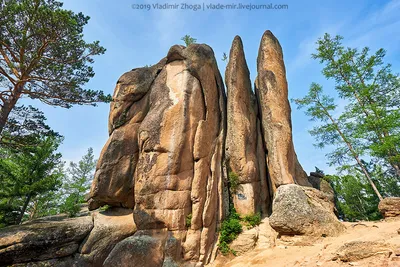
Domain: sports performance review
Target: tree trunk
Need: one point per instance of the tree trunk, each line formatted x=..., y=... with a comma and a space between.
x=9, y=104
x=28, y=198
x=353, y=152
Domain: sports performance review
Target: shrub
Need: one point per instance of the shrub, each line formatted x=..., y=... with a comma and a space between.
x=71, y=206
x=230, y=229
x=252, y=220
x=188, y=220
x=233, y=182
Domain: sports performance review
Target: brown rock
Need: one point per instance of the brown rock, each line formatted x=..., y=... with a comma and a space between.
x=113, y=181
x=300, y=210
x=138, y=250
x=357, y=250
x=110, y=227
x=242, y=135
x=390, y=207
x=272, y=93
x=246, y=241
x=42, y=240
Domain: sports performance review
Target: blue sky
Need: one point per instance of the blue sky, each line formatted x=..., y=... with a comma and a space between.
x=135, y=38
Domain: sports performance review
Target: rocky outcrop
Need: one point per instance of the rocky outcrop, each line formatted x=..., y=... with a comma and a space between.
x=390, y=207
x=61, y=241
x=272, y=92
x=109, y=228
x=165, y=154
x=358, y=250
x=301, y=210
x=245, y=152
x=42, y=240
x=176, y=145
x=114, y=177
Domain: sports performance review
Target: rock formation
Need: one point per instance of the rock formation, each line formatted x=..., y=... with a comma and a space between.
x=166, y=151
x=245, y=152
x=272, y=92
x=166, y=170
x=301, y=210
x=390, y=207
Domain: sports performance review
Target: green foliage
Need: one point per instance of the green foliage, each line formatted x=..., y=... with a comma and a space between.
x=27, y=175
x=252, y=220
x=188, y=40
x=355, y=199
x=188, y=220
x=43, y=56
x=70, y=206
x=105, y=208
x=234, y=185
x=229, y=230
x=77, y=182
x=24, y=125
x=371, y=118
x=369, y=126
x=224, y=57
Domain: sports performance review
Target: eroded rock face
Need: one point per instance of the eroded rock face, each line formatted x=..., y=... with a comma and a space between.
x=42, y=240
x=298, y=210
x=165, y=154
x=110, y=227
x=358, y=250
x=390, y=207
x=272, y=93
x=245, y=152
x=114, y=177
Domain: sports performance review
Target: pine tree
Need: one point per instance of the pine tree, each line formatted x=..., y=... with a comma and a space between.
x=43, y=56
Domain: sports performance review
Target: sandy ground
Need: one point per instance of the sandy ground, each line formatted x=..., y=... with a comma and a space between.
x=321, y=252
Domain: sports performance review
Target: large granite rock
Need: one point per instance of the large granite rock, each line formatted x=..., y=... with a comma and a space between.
x=42, y=240
x=113, y=181
x=165, y=153
x=174, y=137
x=110, y=227
x=138, y=250
x=242, y=140
x=298, y=210
x=272, y=92
x=358, y=250
x=390, y=207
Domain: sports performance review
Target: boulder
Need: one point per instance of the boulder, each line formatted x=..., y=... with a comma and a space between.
x=242, y=142
x=110, y=227
x=390, y=207
x=139, y=250
x=246, y=241
x=70, y=261
x=298, y=210
x=42, y=240
x=272, y=92
x=358, y=250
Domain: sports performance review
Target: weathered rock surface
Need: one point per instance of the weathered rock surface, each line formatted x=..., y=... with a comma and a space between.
x=114, y=177
x=110, y=227
x=166, y=150
x=138, y=250
x=390, y=207
x=174, y=137
x=246, y=241
x=358, y=250
x=301, y=210
x=272, y=93
x=42, y=240
x=242, y=142
x=181, y=142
